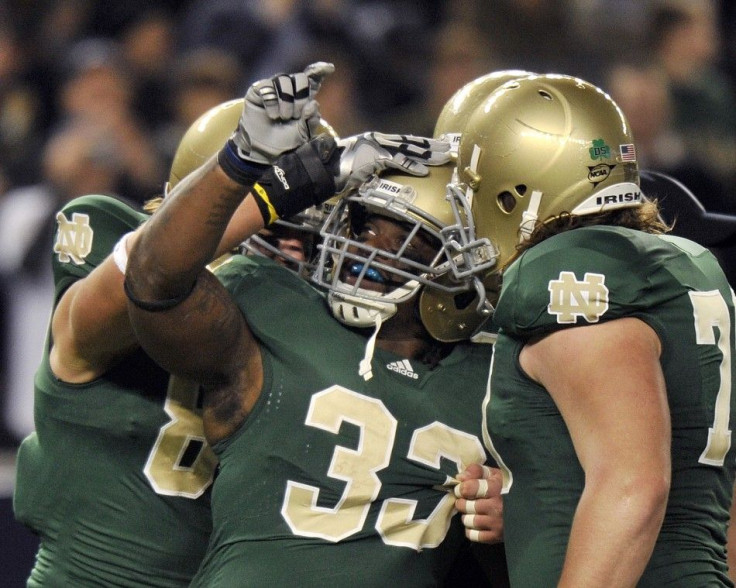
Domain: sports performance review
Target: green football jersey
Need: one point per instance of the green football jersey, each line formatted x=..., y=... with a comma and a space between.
x=334, y=480
x=115, y=479
x=597, y=274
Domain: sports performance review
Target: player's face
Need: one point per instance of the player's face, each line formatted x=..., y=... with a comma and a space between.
x=287, y=241
x=392, y=236
x=293, y=248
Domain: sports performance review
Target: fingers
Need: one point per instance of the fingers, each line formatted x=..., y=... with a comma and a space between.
x=286, y=95
x=293, y=93
x=422, y=149
x=432, y=151
x=483, y=513
x=480, y=503
x=484, y=536
x=482, y=519
x=479, y=481
x=473, y=489
x=407, y=165
x=313, y=118
x=264, y=92
x=316, y=73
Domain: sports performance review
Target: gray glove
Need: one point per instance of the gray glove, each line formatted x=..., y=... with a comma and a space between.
x=279, y=114
x=369, y=153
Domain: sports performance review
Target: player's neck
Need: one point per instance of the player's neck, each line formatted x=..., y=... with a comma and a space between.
x=414, y=346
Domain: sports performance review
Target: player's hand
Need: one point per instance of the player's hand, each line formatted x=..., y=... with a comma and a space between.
x=369, y=153
x=480, y=504
x=279, y=114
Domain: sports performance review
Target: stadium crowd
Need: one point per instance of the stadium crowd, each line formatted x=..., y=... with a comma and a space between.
x=95, y=97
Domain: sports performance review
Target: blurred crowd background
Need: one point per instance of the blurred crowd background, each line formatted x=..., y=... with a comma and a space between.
x=94, y=97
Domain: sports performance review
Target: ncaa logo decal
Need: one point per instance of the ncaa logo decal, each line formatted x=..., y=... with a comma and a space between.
x=570, y=298
x=598, y=173
x=73, y=238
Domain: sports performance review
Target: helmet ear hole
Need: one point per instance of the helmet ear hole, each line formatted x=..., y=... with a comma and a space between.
x=506, y=201
x=463, y=300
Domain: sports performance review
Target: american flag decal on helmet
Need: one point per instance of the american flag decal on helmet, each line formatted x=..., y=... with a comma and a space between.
x=628, y=152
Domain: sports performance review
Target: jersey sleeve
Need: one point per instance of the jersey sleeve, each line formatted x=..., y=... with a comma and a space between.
x=87, y=229
x=589, y=275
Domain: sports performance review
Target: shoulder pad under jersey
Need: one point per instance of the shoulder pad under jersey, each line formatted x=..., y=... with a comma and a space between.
x=585, y=276
x=86, y=231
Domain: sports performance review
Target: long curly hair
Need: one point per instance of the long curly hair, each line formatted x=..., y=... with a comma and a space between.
x=644, y=218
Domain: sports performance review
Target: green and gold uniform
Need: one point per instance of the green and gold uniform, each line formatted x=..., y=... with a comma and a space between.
x=598, y=274
x=334, y=480
x=115, y=479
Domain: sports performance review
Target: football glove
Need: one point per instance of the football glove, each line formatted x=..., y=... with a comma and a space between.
x=279, y=114
x=319, y=169
x=369, y=153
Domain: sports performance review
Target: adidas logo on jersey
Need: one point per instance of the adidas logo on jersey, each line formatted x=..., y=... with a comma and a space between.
x=404, y=368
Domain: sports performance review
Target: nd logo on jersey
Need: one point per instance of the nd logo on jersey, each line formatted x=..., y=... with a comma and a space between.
x=73, y=238
x=569, y=298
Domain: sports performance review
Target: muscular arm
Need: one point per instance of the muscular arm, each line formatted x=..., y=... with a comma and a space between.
x=168, y=259
x=607, y=382
x=90, y=327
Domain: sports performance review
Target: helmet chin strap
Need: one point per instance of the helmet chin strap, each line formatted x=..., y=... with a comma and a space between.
x=359, y=311
x=355, y=311
x=365, y=369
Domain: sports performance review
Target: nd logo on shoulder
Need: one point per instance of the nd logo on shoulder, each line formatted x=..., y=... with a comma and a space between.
x=570, y=298
x=73, y=238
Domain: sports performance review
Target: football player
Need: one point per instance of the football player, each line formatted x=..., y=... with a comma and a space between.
x=291, y=243
x=337, y=420
x=611, y=391
x=116, y=478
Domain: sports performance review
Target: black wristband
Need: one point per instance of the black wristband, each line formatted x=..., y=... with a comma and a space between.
x=298, y=180
x=156, y=305
x=238, y=169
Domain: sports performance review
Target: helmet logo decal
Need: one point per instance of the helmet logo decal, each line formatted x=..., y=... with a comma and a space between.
x=599, y=173
x=569, y=298
x=628, y=152
x=386, y=193
x=454, y=140
x=73, y=238
x=599, y=150
x=621, y=195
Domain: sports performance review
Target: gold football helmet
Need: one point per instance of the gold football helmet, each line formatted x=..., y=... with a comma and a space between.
x=541, y=146
x=452, y=303
x=202, y=140
x=460, y=106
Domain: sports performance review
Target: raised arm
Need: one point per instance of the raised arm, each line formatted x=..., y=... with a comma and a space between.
x=95, y=306
x=183, y=317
